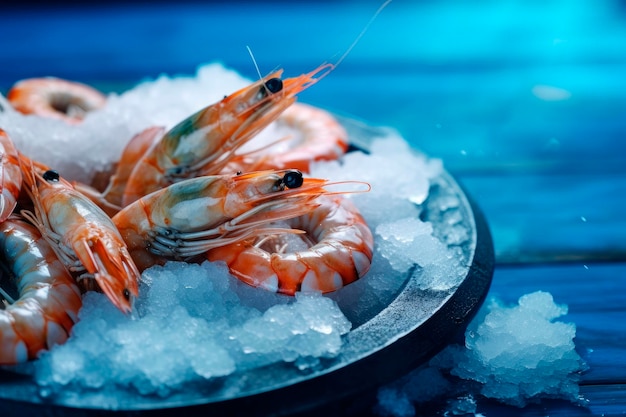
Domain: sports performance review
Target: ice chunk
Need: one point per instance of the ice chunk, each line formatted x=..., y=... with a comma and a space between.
x=519, y=353
x=391, y=168
x=408, y=242
x=512, y=354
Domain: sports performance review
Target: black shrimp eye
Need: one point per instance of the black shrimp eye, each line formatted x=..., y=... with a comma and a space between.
x=51, y=176
x=274, y=85
x=126, y=294
x=293, y=179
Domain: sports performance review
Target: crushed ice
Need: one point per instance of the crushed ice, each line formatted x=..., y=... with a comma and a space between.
x=513, y=354
x=196, y=326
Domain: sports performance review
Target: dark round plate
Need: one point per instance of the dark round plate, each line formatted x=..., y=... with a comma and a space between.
x=412, y=326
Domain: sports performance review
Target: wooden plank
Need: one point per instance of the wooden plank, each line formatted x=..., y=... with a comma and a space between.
x=560, y=217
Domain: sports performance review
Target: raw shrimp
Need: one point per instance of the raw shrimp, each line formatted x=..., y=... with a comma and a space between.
x=82, y=235
x=340, y=247
x=55, y=98
x=47, y=302
x=110, y=200
x=10, y=176
x=207, y=141
x=192, y=216
x=317, y=136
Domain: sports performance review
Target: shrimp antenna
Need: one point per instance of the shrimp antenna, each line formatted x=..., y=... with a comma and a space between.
x=358, y=38
x=254, y=61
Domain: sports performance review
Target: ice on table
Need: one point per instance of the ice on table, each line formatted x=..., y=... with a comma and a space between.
x=513, y=354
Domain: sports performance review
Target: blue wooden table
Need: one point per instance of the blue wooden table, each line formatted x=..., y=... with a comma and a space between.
x=525, y=102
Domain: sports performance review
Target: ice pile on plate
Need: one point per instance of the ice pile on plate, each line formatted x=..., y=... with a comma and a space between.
x=401, y=181
x=189, y=325
x=516, y=355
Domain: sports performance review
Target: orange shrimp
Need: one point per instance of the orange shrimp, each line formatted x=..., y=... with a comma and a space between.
x=340, y=249
x=192, y=216
x=318, y=136
x=207, y=141
x=83, y=236
x=110, y=200
x=55, y=98
x=47, y=302
x=10, y=176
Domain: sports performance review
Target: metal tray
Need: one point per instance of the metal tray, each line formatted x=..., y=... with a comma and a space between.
x=383, y=345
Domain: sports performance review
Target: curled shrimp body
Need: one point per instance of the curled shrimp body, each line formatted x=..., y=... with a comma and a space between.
x=10, y=176
x=55, y=98
x=317, y=136
x=207, y=141
x=192, y=216
x=340, y=247
x=82, y=235
x=47, y=302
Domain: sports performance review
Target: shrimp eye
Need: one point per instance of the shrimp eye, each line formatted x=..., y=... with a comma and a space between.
x=274, y=85
x=126, y=294
x=51, y=176
x=293, y=179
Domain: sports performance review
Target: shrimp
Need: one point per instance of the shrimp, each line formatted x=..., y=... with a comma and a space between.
x=10, y=176
x=47, y=301
x=205, y=142
x=110, y=199
x=55, y=98
x=340, y=248
x=82, y=235
x=317, y=136
x=190, y=217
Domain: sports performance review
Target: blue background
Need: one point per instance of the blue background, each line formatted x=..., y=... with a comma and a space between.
x=464, y=81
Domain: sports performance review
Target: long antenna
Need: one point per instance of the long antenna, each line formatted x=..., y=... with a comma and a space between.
x=254, y=61
x=358, y=38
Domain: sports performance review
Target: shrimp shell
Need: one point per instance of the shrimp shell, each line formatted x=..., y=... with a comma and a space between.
x=318, y=137
x=192, y=216
x=10, y=176
x=49, y=299
x=340, y=253
x=82, y=235
x=55, y=98
x=110, y=200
